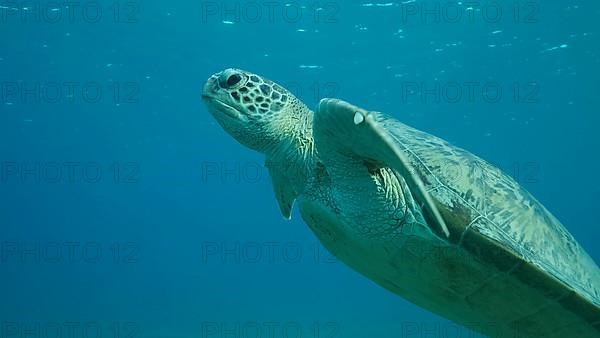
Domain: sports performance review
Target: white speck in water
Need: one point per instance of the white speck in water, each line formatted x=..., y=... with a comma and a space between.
x=310, y=67
x=387, y=4
x=147, y=77
x=555, y=48
x=358, y=118
x=108, y=65
x=227, y=22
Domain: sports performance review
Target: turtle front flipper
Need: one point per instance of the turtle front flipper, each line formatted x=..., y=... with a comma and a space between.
x=284, y=191
x=346, y=133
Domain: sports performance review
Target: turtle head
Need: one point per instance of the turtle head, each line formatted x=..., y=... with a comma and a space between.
x=265, y=117
x=247, y=106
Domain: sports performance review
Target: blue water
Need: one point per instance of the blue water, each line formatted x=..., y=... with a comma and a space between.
x=165, y=226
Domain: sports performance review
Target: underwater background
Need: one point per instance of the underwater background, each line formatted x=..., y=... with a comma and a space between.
x=126, y=211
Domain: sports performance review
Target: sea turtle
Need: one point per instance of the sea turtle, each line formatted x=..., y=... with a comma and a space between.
x=426, y=220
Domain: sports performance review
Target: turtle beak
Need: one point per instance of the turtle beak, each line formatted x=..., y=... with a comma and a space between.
x=215, y=98
x=210, y=87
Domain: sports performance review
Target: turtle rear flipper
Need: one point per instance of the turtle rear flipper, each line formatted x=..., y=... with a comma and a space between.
x=352, y=133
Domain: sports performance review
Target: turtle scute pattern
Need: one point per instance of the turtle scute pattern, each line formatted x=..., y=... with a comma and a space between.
x=498, y=207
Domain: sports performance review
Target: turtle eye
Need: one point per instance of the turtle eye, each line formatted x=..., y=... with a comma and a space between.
x=229, y=79
x=233, y=80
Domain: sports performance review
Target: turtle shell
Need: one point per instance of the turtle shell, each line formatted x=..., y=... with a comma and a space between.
x=506, y=260
x=540, y=274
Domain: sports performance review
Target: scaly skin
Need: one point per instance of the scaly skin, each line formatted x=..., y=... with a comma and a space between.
x=514, y=270
x=277, y=125
x=506, y=267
